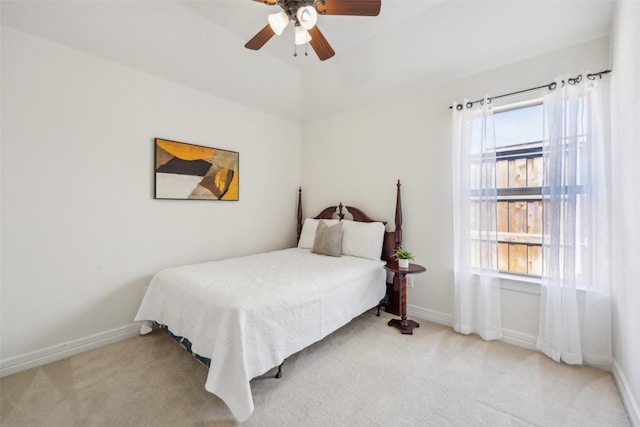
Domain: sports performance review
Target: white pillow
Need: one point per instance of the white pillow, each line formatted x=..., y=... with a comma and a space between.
x=308, y=234
x=362, y=239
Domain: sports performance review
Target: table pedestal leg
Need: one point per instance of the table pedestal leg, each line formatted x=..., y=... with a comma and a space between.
x=405, y=326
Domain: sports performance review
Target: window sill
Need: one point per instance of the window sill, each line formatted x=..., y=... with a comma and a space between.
x=529, y=285
x=514, y=282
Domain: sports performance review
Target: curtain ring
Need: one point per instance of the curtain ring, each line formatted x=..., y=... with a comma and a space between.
x=575, y=80
x=459, y=107
x=592, y=76
x=469, y=104
x=553, y=85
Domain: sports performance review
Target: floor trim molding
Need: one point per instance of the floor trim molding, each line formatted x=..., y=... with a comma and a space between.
x=627, y=397
x=56, y=352
x=519, y=339
x=509, y=336
x=429, y=315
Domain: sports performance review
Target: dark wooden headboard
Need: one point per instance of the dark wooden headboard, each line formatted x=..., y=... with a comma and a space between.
x=392, y=239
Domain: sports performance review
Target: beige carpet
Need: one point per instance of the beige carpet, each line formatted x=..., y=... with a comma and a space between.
x=365, y=374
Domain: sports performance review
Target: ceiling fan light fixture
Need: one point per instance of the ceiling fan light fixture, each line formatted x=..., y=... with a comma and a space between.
x=278, y=22
x=302, y=36
x=307, y=17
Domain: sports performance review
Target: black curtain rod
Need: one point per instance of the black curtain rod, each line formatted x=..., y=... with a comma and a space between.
x=550, y=86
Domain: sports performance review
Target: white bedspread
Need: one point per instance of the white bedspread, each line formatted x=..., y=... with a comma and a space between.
x=248, y=314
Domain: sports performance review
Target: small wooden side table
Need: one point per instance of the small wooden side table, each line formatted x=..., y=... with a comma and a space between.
x=405, y=326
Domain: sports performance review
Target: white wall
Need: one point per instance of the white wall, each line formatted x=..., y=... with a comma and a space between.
x=356, y=157
x=626, y=208
x=81, y=233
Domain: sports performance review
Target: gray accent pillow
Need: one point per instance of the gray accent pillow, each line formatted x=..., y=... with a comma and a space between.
x=328, y=239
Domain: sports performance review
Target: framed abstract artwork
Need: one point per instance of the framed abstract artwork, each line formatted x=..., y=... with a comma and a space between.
x=194, y=172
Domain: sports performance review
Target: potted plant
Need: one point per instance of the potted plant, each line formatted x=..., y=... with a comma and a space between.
x=403, y=256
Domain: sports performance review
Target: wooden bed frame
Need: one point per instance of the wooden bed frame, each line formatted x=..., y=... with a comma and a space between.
x=392, y=240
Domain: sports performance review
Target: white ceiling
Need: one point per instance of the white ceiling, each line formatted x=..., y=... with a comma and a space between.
x=411, y=45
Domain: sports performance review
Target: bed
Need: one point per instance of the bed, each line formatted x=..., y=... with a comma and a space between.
x=244, y=316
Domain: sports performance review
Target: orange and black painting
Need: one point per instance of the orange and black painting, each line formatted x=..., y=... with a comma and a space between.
x=187, y=171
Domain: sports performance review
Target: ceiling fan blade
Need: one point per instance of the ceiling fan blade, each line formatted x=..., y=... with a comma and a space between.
x=263, y=36
x=350, y=7
x=320, y=44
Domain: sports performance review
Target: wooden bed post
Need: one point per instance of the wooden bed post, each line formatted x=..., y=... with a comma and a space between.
x=398, y=233
x=299, y=213
x=391, y=302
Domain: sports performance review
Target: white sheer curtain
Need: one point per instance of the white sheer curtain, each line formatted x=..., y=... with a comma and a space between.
x=575, y=309
x=476, y=287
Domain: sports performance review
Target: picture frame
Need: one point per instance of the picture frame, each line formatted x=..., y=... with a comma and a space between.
x=184, y=171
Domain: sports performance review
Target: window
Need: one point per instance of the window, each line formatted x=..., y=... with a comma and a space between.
x=518, y=134
x=512, y=172
x=517, y=178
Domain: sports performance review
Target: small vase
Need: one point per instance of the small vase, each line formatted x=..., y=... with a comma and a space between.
x=403, y=263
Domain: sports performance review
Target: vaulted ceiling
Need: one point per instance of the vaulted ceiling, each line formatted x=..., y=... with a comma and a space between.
x=411, y=45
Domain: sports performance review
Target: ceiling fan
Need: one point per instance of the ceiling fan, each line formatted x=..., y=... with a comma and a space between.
x=304, y=14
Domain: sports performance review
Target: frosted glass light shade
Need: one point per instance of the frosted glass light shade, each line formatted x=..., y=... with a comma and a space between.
x=302, y=36
x=278, y=22
x=307, y=17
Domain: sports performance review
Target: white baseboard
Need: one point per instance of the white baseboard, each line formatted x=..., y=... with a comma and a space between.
x=519, y=339
x=509, y=336
x=629, y=401
x=36, y=358
x=429, y=315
